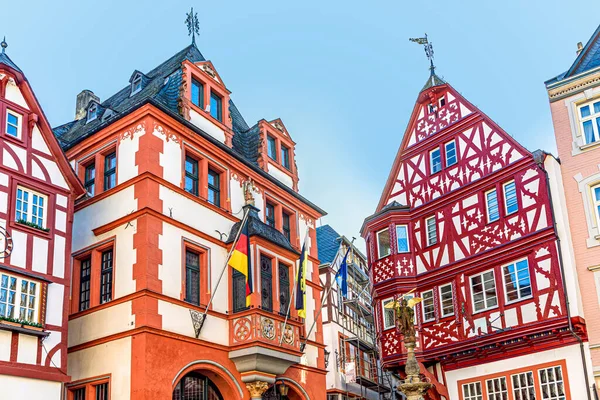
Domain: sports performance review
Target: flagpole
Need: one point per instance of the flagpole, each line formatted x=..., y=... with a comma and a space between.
x=294, y=294
x=212, y=296
x=321, y=308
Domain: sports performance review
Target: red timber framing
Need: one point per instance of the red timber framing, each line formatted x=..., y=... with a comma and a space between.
x=32, y=161
x=474, y=209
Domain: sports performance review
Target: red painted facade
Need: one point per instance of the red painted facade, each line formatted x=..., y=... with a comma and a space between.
x=472, y=238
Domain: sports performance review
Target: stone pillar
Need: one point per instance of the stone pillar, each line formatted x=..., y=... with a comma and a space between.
x=256, y=389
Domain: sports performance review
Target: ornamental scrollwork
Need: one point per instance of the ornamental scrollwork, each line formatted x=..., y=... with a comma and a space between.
x=131, y=132
x=242, y=329
x=169, y=135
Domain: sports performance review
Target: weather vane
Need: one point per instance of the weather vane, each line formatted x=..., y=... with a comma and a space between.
x=191, y=20
x=428, y=49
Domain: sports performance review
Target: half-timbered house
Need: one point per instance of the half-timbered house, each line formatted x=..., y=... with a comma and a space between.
x=37, y=192
x=471, y=222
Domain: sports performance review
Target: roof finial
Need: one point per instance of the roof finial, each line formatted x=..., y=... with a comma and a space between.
x=191, y=20
x=428, y=50
x=4, y=44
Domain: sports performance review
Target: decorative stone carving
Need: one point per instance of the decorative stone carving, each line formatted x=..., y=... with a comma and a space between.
x=131, y=132
x=183, y=101
x=288, y=335
x=242, y=329
x=257, y=388
x=248, y=187
x=267, y=327
x=169, y=135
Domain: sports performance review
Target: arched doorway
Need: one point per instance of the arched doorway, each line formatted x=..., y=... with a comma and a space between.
x=195, y=386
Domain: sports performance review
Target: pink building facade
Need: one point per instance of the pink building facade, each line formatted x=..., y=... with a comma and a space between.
x=575, y=104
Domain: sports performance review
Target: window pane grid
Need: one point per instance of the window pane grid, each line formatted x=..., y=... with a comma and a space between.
x=516, y=280
x=590, y=121
x=84, y=284
x=286, y=226
x=191, y=175
x=192, y=277
x=551, y=382
x=402, y=237
x=285, y=157
x=483, y=288
x=271, y=148
x=214, y=191
x=446, y=297
x=388, y=315
x=496, y=389
x=472, y=391
x=435, y=161
x=215, y=106
x=428, y=306
x=596, y=202
x=102, y=391
x=510, y=198
x=493, y=212
x=90, y=179
x=12, y=124
x=450, y=153
x=110, y=171
x=26, y=291
x=197, y=93
x=383, y=243
x=106, y=277
x=431, y=231
x=270, y=215
x=523, y=386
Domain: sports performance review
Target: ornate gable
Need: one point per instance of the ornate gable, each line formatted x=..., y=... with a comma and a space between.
x=442, y=116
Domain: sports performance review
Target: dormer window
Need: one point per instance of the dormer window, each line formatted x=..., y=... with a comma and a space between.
x=442, y=101
x=216, y=106
x=285, y=157
x=197, y=93
x=136, y=84
x=13, y=124
x=92, y=112
x=271, y=148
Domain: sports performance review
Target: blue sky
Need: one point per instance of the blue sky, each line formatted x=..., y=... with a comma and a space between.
x=341, y=74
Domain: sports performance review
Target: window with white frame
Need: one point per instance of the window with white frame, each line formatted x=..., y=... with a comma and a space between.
x=428, y=306
x=450, y=148
x=589, y=116
x=447, y=305
x=13, y=123
x=92, y=112
x=31, y=207
x=472, y=391
x=510, y=197
x=517, y=283
x=435, y=161
x=483, y=291
x=136, y=84
x=383, y=243
x=552, y=383
x=19, y=298
x=596, y=203
x=431, y=226
x=497, y=389
x=523, y=386
x=389, y=320
x=491, y=204
x=402, y=237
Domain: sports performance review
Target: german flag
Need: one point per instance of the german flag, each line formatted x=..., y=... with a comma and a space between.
x=240, y=259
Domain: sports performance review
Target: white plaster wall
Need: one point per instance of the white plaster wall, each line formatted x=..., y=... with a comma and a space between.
x=60, y=221
x=126, y=168
x=236, y=195
x=193, y=214
x=207, y=126
x=100, y=213
x=105, y=322
x=56, y=176
x=54, y=308
x=28, y=346
x=280, y=175
x=571, y=354
x=49, y=343
x=40, y=255
x=177, y=319
x=13, y=93
x=18, y=257
x=25, y=388
x=38, y=142
x=108, y=358
x=170, y=272
x=559, y=202
x=5, y=341
x=171, y=160
x=59, y=256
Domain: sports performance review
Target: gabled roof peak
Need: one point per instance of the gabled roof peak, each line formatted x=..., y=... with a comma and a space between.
x=5, y=59
x=432, y=81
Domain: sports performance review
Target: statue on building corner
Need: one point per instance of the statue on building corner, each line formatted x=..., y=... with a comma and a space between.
x=248, y=187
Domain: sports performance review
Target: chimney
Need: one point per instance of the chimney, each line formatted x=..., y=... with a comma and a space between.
x=579, y=47
x=83, y=99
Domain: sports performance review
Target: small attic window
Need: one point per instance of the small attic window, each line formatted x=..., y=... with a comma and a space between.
x=136, y=84
x=431, y=108
x=442, y=101
x=92, y=112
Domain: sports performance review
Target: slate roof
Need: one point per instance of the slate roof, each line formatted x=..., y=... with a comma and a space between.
x=588, y=58
x=327, y=244
x=432, y=81
x=5, y=59
x=160, y=86
x=258, y=228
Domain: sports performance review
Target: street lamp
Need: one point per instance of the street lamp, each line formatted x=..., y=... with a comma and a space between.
x=283, y=390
